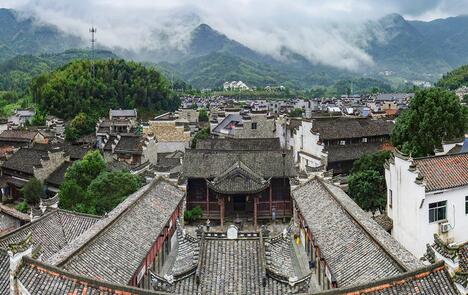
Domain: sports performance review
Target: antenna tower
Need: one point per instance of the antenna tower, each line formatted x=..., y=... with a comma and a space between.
x=93, y=41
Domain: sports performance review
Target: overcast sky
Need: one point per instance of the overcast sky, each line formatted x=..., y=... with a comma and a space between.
x=327, y=32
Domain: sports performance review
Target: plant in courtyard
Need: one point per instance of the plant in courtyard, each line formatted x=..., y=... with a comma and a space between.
x=193, y=214
x=33, y=191
x=22, y=207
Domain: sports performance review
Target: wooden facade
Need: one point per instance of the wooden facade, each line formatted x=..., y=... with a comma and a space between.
x=274, y=200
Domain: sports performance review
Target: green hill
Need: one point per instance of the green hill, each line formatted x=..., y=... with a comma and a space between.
x=454, y=79
x=116, y=84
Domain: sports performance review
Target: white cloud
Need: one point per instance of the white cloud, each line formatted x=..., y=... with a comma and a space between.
x=327, y=32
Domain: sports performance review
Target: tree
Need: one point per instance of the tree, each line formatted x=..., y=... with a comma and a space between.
x=203, y=115
x=296, y=113
x=81, y=124
x=33, y=191
x=39, y=118
x=434, y=115
x=202, y=134
x=110, y=188
x=374, y=162
x=73, y=191
x=367, y=189
x=73, y=88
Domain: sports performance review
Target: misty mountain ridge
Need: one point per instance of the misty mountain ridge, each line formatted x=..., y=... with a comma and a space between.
x=405, y=49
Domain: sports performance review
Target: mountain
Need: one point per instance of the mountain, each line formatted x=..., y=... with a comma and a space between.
x=24, y=36
x=402, y=49
x=18, y=71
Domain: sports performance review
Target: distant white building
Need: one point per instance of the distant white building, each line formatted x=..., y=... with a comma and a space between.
x=461, y=92
x=21, y=116
x=235, y=85
x=427, y=197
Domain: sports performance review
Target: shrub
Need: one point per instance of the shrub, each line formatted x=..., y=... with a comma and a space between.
x=22, y=207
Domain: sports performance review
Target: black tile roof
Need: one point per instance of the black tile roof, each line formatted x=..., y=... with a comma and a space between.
x=4, y=272
x=51, y=232
x=211, y=163
x=342, y=128
x=430, y=280
x=40, y=278
x=356, y=249
x=350, y=152
x=238, y=179
x=56, y=177
x=25, y=159
x=231, y=267
x=129, y=144
x=114, y=248
x=229, y=144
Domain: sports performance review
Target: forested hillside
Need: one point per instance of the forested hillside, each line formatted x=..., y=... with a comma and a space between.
x=116, y=84
x=17, y=73
x=455, y=79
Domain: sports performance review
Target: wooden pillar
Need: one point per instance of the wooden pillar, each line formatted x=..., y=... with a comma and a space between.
x=221, y=210
x=255, y=211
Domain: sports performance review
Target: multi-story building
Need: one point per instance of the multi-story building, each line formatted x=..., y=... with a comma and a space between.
x=427, y=199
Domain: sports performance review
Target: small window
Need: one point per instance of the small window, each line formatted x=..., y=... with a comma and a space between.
x=437, y=211
x=364, y=139
x=342, y=142
x=466, y=205
x=254, y=125
x=390, y=198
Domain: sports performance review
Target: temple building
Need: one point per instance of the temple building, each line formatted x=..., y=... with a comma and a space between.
x=239, y=178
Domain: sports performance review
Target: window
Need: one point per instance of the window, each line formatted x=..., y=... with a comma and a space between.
x=342, y=142
x=466, y=205
x=437, y=211
x=364, y=139
x=390, y=198
x=254, y=125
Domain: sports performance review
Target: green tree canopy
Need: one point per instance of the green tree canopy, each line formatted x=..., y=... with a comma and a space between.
x=89, y=188
x=296, y=113
x=73, y=88
x=434, y=115
x=84, y=171
x=367, y=189
x=33, y=191
x=374, y=162
x=203, y=115
x=202, y=134
x=454, y=79
x=81, y=124
x=111, y=188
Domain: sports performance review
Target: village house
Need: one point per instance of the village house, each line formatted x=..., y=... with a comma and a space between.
x=170, y=134
x=335, y=143
x=130, y=148
x=11, y=219
x=427, y=198
x=21, y=138
x=27, y=163
x=21, y=117
x=251, y=125
x=245, y=178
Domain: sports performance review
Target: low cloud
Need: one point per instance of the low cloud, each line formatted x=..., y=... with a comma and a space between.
x=329, y=32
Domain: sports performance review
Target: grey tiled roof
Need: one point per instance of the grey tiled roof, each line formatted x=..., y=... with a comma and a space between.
x=340, y=128
x=238, y=179
x=350, y=152
x=356, y=249
x=51, y=232
x=57, y=176
x=430, y=280
x=129, y=144
x=211, y=163
x=25, y=159
x=114, y=248
x=123, y=113
x=231, y=267
x=4, y=272
x=262, y=144
x=40, y=278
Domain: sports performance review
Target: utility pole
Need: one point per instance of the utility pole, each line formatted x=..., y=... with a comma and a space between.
x=93, y=41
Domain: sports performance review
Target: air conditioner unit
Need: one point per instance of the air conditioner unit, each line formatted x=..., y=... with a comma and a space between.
x=444, y=227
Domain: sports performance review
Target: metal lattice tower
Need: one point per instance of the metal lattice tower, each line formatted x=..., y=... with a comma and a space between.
x=93, y=41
